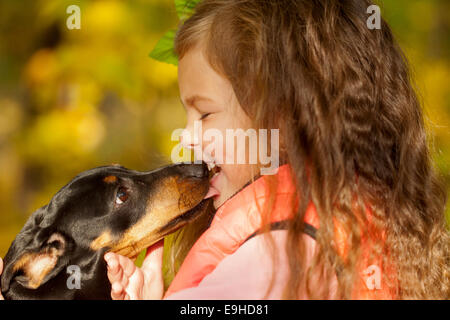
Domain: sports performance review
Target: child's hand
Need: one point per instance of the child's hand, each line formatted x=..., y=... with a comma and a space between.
x=129, y=282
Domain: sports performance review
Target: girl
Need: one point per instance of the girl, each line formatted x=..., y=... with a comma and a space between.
x=356, y=163
x=355, y=209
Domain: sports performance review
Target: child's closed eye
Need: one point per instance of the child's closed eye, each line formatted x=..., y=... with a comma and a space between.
x=204, y=115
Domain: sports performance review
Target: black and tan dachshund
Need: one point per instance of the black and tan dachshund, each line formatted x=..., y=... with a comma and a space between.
x=108, y=208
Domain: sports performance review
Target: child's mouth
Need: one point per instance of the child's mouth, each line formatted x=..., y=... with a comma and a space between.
x=214, y=172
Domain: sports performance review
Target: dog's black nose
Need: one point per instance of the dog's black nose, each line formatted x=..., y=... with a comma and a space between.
x=197, y=170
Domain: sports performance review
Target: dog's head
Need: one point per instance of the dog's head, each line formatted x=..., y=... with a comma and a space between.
x=104, y=209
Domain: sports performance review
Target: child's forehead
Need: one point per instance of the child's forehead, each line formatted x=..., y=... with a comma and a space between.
x=195, y=54
x=198, y=81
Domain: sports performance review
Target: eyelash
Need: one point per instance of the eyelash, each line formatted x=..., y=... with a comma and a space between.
x=203, y=116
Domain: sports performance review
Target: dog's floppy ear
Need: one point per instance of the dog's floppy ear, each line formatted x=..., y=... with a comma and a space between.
x=33, y=254
x=33, y=267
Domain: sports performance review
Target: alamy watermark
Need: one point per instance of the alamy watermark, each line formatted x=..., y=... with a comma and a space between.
x=373, y=277
x=374, y=20
x=74, y=20
x=74, y=280
x=235, y=153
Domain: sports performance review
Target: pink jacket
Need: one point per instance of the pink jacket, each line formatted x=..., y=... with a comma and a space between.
x=223, y=265
x=245, y=274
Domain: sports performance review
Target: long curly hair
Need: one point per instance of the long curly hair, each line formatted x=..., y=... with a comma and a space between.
x=351, y=128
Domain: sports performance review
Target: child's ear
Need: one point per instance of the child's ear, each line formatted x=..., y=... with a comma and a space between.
x=31, y=268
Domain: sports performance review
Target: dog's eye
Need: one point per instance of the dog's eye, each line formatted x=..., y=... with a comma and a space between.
x=121, y=196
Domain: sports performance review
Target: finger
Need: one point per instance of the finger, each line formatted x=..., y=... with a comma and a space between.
x=135, y=286
x=115, y=272
x=117, y=291
x=128, y=268
x=112, y=261
x=127, y=265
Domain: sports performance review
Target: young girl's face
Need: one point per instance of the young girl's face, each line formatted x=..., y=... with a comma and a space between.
x=208, y=97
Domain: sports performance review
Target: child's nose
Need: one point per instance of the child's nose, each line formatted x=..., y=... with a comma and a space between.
x=189, y=139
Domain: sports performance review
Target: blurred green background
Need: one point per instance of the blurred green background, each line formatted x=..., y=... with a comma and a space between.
x=71, y=100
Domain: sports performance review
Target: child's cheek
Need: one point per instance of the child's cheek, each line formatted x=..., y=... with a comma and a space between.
x=235, y=176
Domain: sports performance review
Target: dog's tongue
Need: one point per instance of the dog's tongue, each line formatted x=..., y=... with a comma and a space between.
x=212, y=192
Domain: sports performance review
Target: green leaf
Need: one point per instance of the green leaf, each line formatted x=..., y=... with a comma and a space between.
x=164, y=50
x=185, y=8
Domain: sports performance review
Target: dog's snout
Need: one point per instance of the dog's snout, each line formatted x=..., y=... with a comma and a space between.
x=196, y=170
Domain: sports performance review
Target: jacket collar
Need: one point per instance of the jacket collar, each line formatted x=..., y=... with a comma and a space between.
x=234, y=222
